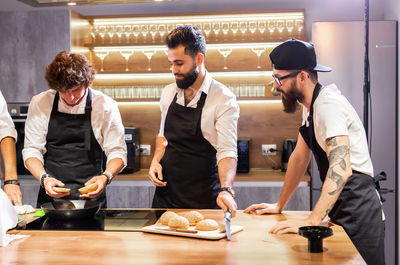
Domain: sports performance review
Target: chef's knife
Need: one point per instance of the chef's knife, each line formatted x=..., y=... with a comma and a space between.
x=227, y=218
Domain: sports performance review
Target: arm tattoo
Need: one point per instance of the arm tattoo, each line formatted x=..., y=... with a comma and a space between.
x=326, y=213
x=332, y=142
x=337, y=162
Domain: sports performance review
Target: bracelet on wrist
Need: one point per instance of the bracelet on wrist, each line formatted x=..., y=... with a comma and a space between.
x=108, y=175
x=45, y=175
x=12, y=181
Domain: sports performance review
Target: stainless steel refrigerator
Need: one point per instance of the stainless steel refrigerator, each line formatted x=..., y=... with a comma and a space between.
x=340, y=45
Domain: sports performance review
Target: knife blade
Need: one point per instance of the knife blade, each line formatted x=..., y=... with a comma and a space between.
x=227, y=218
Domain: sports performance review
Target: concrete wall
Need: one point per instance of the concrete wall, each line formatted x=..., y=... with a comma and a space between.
x=29, y=41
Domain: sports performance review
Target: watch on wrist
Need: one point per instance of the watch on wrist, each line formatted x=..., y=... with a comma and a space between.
x=228, y=189
x=109, y=176
x=45, y=175
x=11, y=181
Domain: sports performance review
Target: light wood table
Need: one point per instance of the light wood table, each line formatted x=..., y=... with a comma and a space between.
x=252, y=246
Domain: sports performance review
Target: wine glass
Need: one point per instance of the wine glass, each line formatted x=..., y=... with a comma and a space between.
x=243, y=28
x=166, y=53
x=258, y=51
x=234, y=28
x=225, y=52
x=127, y=32
x=136, y=32
x=161, y=30
x=207, y=29
x=153, y=32
x=216, y=29
x=271, y=27
x=169, y=28
x=119, y=30
x=299, y=23
x=289, y=25
x=111, y=32
x=280, y=25
x=149, y=53
x=102, y=32
x=126, y=54
x=261, y=28
x=225, y=29
x=93, y=32
x=144, y=30
x=252, y=28
x=102, y=55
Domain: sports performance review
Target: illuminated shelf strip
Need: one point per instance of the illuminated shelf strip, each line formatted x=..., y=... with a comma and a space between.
x=170, y=75
x=240, y=101
x=194, y=19
x=209, y=47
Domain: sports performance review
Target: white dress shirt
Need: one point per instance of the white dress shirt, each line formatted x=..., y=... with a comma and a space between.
x=105, y=119
x=219, y=117
x=7, y=128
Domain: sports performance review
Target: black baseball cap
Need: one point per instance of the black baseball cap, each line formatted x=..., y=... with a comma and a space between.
x=295, y=54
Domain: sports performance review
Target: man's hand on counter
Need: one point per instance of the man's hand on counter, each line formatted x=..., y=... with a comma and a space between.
x=263, y=208
x=226, y=201
x=155, y=174
x=13, y=192
x=289, y=226
x=101, y=184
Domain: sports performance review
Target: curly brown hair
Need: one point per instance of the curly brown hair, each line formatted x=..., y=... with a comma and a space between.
x=69, y=70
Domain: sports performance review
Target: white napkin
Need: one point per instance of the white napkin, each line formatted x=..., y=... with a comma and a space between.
x=23, y=209
x=8, y=220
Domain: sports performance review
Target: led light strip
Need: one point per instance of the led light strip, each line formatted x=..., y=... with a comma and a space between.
x=194, y=19
x=240, y=101
x=209, y=47
x=170, y=75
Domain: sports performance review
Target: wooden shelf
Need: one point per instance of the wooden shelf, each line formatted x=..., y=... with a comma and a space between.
x=157, y=99
x=253, y=175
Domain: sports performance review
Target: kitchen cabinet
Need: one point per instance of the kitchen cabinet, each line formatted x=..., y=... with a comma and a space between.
x=130, y=55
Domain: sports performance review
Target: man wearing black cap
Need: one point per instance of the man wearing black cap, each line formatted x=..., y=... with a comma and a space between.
x=334, y=133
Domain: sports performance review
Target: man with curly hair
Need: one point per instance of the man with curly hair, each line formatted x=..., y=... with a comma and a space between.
x=66, y=130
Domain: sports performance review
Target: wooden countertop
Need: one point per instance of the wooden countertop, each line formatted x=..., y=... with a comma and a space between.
x=251, y=246
x=253, y=175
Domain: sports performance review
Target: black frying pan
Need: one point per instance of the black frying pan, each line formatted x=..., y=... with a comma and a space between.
x=71, y=209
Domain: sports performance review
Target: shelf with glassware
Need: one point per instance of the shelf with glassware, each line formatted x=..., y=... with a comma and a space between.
x=131, y=57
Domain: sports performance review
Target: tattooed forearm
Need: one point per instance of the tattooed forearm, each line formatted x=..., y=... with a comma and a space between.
x=332, y=142
x=326, y=213
x=337, y=165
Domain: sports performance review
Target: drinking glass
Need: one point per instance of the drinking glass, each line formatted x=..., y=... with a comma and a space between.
x=234, y=28
x=119, y=30
x=243, y=28
x=252, y=90
x=102, y=32
x=225, y=52
x=299, y=23
x=216, y=29
x=207, y=29
x=225, y=29
x=149, y=53
x=289, y=25
x=126, y=54
x=93, y=32
x=136, y=32
x=127, y=32
x=144, y=30
x=243, y=90
x=162, y=30
x=280, y=25
x=261, y=28
x=260, y=90
x=252, y=28
x=102, y=55
x=111, y=32
x=258, y=51
x=271, y=27
x=153, y=31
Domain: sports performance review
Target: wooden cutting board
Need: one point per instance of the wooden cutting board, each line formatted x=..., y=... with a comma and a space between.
x=211, y=235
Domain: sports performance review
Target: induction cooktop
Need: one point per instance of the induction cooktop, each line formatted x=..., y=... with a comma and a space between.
x=104, y=220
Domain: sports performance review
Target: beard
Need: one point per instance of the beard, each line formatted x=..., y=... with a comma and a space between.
x=188, y=78
x=291, y=99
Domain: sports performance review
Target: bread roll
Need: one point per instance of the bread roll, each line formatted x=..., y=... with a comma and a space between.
x=207, y=225
x=60, y=189
x=88, y=188
x=194, y=217
x=164, y=219
x=178, y=222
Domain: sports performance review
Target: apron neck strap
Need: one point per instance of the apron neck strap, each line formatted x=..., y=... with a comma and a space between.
x=317, y=89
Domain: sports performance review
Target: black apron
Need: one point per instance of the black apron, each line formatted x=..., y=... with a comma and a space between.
x=358, y=208
x=73, y=154
x=189, y=162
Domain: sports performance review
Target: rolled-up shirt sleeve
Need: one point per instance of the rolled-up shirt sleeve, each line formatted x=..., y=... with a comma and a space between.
x=226, y=127
x=36, y=127
x=113, y=133
x=7, y=128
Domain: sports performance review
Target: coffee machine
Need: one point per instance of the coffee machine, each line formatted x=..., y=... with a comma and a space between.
x=288, y=148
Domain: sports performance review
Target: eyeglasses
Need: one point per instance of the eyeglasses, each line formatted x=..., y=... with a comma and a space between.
x=279, y=79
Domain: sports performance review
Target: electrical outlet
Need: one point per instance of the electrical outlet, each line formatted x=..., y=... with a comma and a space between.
x=146, y=149
x=266, y=149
